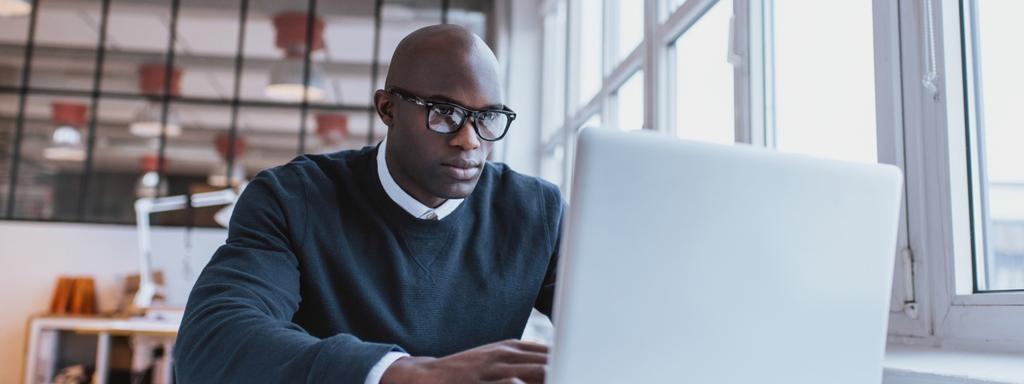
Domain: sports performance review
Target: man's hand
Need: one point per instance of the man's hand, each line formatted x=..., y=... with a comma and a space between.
x=509, y=361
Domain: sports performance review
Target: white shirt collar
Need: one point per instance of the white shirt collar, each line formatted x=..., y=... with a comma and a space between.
x=403, y=199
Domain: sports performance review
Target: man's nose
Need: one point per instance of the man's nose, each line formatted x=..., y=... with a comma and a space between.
x=466, y=137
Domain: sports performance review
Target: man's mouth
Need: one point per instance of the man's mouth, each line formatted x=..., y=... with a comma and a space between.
x=462, y=169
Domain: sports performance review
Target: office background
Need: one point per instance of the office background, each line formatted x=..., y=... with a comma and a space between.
x=105, y=101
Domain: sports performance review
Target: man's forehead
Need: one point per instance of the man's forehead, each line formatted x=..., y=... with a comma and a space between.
x=447, y=63
x=472, y=88
x=468, y=101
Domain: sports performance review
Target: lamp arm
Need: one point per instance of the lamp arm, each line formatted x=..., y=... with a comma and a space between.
x=146, y=206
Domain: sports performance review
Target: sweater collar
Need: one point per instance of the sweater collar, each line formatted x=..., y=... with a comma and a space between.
x=408, y=203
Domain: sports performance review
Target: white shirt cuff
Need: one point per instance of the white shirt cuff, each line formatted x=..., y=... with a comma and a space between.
x=377, y=372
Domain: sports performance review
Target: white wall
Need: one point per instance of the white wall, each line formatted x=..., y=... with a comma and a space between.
x=33, y=255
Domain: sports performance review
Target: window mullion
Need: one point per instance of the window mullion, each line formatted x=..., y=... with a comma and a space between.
x=653, y=64
x=754, y=85
x=889, y=125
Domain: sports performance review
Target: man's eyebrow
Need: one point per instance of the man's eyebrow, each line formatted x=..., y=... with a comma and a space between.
x=459, y=103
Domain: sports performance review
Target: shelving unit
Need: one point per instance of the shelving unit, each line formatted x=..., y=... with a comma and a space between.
x=66, y=340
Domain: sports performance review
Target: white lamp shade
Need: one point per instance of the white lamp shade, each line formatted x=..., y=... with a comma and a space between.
x=64, y=153
x=147, y=122
x=218, y=175
x=286, y=81
x=13, y=8
x=148, y=185
x=66, y=144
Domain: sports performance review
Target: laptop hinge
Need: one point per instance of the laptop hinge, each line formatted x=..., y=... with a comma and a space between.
x=909, y=300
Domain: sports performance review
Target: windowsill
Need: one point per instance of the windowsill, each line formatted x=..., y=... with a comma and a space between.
x=912, y=364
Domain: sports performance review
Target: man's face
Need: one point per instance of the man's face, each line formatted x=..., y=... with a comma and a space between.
x=438, y=166
x=440, y=63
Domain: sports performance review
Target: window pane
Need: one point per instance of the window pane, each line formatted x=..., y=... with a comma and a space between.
x=53, y=152
x=552, y=166
x=1000, y=138
x=670, y=7
x=126, y=166
x=137, y=34
x=590, y=56
x=275, y=70
x=13, y=38
x=553, y=106
x=630, y=101
x=65, y=45
x=207, y=65
x=570, y=152
x=272, y=136
x=631, y=26
x=8, y=118
x=824, y=79
x=118, y=164
x=329, y=130
x=347, y=62
x=704, y=79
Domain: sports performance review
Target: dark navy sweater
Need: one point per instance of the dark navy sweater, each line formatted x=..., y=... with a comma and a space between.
x=322, y=274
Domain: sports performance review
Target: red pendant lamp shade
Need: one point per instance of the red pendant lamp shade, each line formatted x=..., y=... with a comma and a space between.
x=69, y=113
x=332, y=128
x=291, y=33
x=153, y=77
x=150, y=163
x=223, y=143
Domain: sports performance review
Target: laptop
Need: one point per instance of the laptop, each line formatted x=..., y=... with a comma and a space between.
x=687, y=262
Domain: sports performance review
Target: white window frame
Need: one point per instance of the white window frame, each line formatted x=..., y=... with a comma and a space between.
x=937, y=191
x=756, y=122
x=921, y=133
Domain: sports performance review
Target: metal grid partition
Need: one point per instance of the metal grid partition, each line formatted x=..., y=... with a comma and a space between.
x=82, y=191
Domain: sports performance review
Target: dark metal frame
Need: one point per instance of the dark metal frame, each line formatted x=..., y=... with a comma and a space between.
x=96, y=94
x=19, y=124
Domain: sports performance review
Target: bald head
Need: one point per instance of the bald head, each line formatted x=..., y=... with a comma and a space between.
x=441, y=59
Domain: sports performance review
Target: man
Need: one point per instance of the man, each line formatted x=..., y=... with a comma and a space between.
x=415, y=261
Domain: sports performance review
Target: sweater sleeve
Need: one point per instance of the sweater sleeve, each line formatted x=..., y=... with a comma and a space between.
x=546, y=297
x=237, y=325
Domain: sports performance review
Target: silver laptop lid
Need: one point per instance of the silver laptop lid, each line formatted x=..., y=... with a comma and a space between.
x=703, y=263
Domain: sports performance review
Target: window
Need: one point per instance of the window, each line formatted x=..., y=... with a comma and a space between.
x=630, y=101
x=552, y=165
x=553, y=74
x=824, y=99
x=187, y=96
x=630, y=26
x=867, y=81
x=592, y=122
x=961, y=241
x=704, y=78
x=670, y=7
x=591, y=50
x=998, y=175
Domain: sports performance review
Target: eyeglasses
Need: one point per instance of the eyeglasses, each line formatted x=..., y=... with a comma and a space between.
x=448, y=118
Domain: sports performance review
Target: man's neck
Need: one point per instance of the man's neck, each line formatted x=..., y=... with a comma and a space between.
x=409, y=186
x=411, y=204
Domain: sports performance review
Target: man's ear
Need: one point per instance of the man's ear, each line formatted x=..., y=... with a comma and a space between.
x=385, y=108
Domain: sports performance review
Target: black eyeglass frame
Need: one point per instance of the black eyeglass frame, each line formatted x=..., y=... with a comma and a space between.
x=469, y=113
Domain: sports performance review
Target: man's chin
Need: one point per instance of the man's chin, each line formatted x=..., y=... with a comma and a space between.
x=458, y=190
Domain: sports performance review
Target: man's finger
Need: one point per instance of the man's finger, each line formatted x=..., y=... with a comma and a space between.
x=528, y=346
x=522, y=357
x=530, y=373
x=505, y=381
